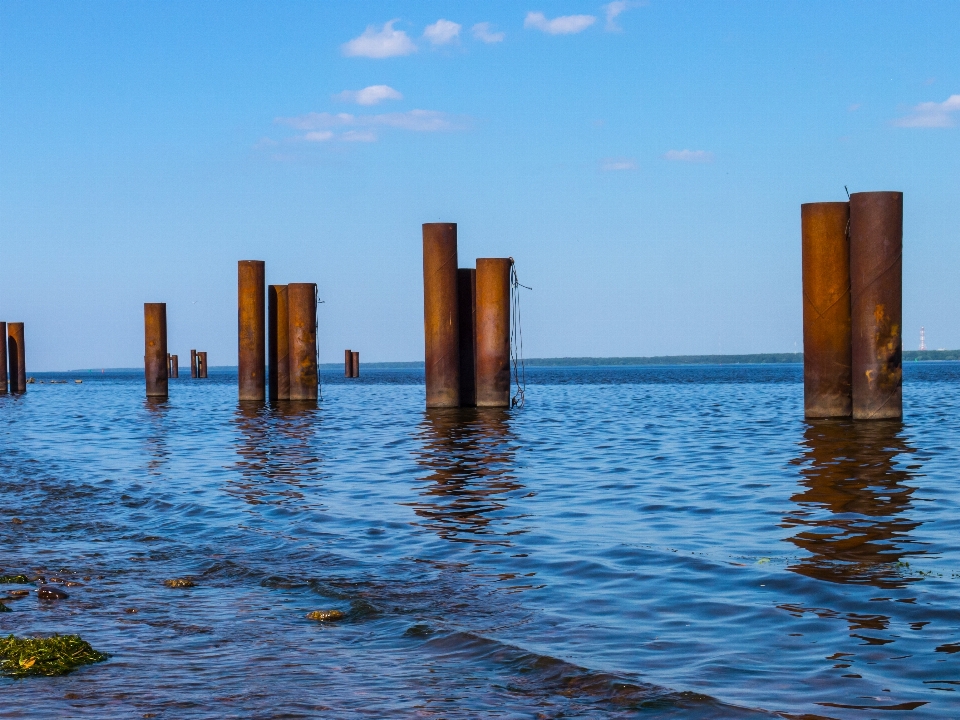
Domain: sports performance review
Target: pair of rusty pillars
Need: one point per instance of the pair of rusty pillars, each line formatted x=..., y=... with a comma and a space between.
x=292, y=314
x=198, y=364
x=852, y=307
x=173, y=366
x=351, y=363
x=466, y=318
x=12, y=353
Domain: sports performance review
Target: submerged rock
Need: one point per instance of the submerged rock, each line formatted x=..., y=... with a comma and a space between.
x=325, y=615
x=45, y=592
x=4, y=608
x=55, y=655
x=16, y=594
x=179, y=583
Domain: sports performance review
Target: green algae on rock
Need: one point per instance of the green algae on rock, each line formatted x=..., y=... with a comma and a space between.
x=325, y=615
x=17, y=579
x=179, y=583
x=50, y=656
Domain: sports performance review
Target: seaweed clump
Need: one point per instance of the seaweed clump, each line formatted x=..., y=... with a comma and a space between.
x=15, y=579
x=57, y=655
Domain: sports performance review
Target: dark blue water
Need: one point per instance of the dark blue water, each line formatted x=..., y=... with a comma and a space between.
x=636, y=542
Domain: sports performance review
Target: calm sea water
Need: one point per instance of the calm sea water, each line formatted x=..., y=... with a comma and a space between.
x=667, y=542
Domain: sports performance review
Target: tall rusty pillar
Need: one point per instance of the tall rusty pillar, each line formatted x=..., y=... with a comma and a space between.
x=202, y=364
x=355, y=364
x=347, y=364
x=155, y=349
x=17, y=357
x=251, y=359
x=440, y=315
x=193, y=363
x=876, y=292
x=466, y=305
x=826, y=310
x=3, y=358
x=493, y=332
x=302, y=333
x=278, y=346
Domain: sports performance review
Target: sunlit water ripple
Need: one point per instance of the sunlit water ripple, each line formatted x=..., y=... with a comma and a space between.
x=666, y=542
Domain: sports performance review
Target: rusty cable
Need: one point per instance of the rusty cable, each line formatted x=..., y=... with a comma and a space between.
x=516, y=339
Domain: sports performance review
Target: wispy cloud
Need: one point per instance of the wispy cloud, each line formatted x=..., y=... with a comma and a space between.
x=563, y=25
x=618, y=164
x=380, y=43
x=371, y=95
x=483, y=31
x=320, y=127
x=614, y=9
x=442, y=32
x=931, y=114
x=690, y=156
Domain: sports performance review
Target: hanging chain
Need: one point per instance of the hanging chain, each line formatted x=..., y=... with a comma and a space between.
x=516, y=339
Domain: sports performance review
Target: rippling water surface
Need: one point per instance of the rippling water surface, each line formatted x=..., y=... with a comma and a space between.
x=662, y=542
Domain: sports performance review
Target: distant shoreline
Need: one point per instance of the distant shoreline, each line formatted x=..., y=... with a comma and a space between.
x=754, y=359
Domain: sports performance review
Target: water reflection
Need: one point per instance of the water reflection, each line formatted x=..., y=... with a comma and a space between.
x=278, y=457
x=155, y=441
x=469, y=457
x=851, y=513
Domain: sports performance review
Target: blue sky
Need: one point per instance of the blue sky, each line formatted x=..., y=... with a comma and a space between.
x=644, y=163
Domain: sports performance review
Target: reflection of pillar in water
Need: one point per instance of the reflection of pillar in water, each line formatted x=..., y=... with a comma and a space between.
x=466, y=303
x=3, y=358
x=155, y=348
x=493, y=332
x=251, y=351
x=826, y=309
x=278, y=346
x=302, y=334
x=440, y=317
x=469, y=457
x=876, y=285
x=850, y=514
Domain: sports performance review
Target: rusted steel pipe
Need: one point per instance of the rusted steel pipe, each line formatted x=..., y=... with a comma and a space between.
x=826, y=310
x=466, y=308
x=876, y=292
x=251, y=359
x=193, y=363
x=278, y=325
x=155, y=349
x=355, y=364
x=493, y=332
x=202, y=364
x=347, y=364
x=3, y=358
x=302, y=333
x=173, y=366
x=440, y=315
x=17, y=357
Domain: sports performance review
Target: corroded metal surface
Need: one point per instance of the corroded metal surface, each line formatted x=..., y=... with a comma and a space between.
x=355, y=364
x=278, y=346
x=493, y=332
x=466, y=301
x=193, y=363
x=17, y=357
x=202, y=364
x=3, y=358
x=251, y=356
x=440, y=315
x=826, y=309
x=302, y=334
x=173, y=366
x=155, y=349
x=347, y=363
x=876, y=290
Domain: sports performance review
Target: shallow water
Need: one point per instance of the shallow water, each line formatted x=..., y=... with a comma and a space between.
x=668, y=542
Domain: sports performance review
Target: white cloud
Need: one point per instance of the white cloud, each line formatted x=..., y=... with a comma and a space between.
x=442, y=32
x=614, y=9
x=931, y=114
x=484, y=32
x=690, y=156
x=383, y=43
x=318, y=127
x=564, y=25
x=618, y=164
x=371, y=95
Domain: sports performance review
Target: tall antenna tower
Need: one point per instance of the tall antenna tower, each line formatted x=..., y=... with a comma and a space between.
x=923, y=339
